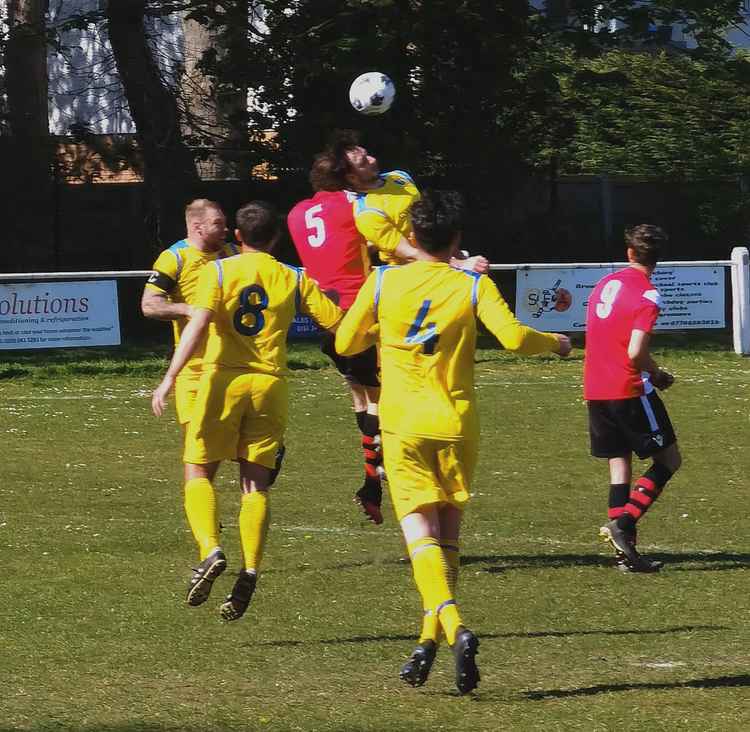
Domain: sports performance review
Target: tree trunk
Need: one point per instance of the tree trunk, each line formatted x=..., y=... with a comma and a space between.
x=30, y=244
x=169, y=167
x=215, y=113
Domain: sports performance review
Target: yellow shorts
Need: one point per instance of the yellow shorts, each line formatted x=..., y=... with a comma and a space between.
x=237, y=415
x=423, y=471
x=185, y=391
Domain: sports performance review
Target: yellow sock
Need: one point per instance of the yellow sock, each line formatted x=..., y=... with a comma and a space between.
x=431, y=576
x=200, y=508
x=431, y=628
x=255, y=515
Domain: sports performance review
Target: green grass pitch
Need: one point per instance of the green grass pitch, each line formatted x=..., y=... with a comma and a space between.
x=95, y=635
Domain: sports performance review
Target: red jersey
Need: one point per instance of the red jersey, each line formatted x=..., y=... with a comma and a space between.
x=331, y=249
x=620, y=303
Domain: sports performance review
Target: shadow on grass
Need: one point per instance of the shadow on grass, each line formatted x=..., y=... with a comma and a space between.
x=58, y=726
x=718, y=682
x=486, y=636
x=713, y=561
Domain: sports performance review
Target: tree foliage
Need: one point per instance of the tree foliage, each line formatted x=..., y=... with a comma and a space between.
x=490, y=95
x=658, y=114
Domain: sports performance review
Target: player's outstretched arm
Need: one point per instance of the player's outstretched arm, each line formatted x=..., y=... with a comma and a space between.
x=494, y=312
x=191, y=337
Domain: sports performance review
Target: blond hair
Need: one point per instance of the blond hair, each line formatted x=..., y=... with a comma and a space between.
x=198, y=208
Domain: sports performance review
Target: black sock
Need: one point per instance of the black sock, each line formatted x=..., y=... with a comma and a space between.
x=618, y=497
x=361, y=419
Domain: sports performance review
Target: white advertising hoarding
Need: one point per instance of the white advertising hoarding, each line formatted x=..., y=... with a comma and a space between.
x=556, y=299
x=59, y=315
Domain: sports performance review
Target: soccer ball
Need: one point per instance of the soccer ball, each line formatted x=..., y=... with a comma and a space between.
x=372, y=93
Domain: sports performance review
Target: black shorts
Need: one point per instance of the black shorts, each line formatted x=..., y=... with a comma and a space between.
x=361, y=369
x=618, y=427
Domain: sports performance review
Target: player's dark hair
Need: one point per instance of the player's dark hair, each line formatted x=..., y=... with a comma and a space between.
x=330, y=167
x=436, y=218
x=259, y=224
x=647, y=242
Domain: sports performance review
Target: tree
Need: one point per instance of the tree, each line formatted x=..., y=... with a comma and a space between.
x=29, y=150
x=214, y=111
x=169, y=167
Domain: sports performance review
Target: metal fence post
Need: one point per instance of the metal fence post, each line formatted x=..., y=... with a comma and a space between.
x=741, y=300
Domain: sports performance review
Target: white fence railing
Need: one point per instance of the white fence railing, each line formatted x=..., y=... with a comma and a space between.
x=739, y=264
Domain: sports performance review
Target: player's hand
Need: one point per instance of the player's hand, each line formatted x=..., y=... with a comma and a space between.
x=662, y=379
x=159, y=397
x=189, y=311
x=564, y=346
x=477, y=263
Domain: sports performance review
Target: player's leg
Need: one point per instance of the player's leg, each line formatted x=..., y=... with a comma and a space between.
x=609, y=441
x=650, y=485
x=457, y=462
x=211, y=437
x=202, y=516
x=370, y=495
x=361, y=374
x=421, y=531
x=255, y=515
x=261, y=436
x=646, y=424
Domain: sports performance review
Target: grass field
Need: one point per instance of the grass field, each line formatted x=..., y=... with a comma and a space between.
x=95, y=635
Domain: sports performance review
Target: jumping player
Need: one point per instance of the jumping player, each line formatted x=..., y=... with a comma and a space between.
x=626, y=415
x=335, y=255
x=333, y=239
x=428, y=312
x=243, y=306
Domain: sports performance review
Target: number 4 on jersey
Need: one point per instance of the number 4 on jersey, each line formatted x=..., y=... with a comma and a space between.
x=427, y=337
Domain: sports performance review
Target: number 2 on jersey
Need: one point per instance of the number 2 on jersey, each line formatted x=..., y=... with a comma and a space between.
x=427, y=337
x=607, y=298
x=248, y=307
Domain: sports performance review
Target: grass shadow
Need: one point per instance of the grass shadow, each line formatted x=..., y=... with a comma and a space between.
x=713, y=561
x=499, y=636
x=719, y=682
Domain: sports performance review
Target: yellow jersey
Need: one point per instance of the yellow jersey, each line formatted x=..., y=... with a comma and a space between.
x=427, y=313
x=254, y=299
x=176, y=272
x=382, y=214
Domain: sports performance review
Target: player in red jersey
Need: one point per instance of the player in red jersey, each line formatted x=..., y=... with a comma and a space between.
x=335, y=254
x=626, y=415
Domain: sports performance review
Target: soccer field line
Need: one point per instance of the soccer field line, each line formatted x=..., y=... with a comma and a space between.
x=73, y=397
x=541, y=541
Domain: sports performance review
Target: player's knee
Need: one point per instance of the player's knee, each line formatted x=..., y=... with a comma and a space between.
x=672, y=459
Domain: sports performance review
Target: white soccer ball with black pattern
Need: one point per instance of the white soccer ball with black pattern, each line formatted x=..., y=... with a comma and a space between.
x=372, y=93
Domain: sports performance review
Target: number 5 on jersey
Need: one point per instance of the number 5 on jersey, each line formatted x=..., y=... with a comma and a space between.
x=316, y=225
x=427, y=337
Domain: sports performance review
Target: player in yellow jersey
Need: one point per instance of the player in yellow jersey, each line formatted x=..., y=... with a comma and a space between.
x=243, y=307
x=381, y=209
x=381, y=216
x=170, y=289
x=427, y=313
